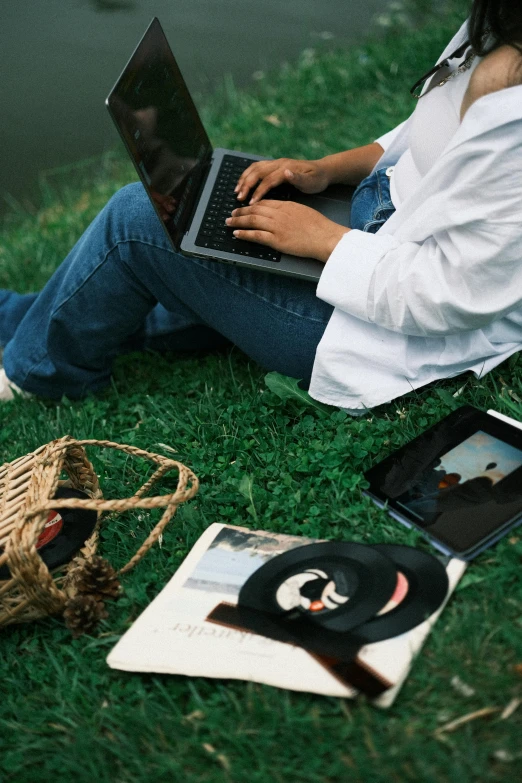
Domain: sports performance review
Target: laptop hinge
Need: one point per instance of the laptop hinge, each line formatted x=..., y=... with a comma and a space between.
x=204, y=176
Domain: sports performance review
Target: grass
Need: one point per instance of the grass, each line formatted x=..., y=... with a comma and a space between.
x=63, y=714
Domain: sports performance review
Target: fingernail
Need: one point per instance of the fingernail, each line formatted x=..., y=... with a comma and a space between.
x=236, y=233
x=236, y=188
x=228, y=221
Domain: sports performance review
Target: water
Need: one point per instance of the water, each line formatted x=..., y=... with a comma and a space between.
x=60, y=58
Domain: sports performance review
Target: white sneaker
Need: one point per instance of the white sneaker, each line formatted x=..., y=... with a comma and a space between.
x=8, y=389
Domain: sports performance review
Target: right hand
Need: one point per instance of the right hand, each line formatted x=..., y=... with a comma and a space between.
x=308, y=176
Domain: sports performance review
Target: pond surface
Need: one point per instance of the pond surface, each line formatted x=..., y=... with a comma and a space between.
x=60, y=58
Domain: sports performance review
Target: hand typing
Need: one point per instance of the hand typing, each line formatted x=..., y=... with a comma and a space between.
x=287, y=227
x=308, y=176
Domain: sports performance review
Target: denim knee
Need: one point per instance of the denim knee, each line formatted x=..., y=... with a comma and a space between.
x=129, y=201
x=130, y=216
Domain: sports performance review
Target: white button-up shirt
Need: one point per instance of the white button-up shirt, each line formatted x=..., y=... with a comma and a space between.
x=438, y=290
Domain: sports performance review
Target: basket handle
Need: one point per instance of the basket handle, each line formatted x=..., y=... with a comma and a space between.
x=170, y=502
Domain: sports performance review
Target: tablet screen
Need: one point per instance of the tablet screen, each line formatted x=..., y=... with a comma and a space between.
x=461, y=481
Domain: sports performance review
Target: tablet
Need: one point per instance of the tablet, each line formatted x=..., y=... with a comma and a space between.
x=460, y=482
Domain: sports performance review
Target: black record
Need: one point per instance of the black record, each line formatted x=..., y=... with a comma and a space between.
x=335, y=585
x=427, y=589
x=76, y=527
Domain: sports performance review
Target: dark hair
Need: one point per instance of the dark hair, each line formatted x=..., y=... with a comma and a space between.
x=501, y=18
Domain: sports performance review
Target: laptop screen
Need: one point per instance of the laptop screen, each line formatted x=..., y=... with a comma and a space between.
x=161, y=128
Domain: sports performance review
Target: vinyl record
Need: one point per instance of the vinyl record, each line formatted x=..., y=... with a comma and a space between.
x=335, y=585
x=422, y=586
x=64, y=534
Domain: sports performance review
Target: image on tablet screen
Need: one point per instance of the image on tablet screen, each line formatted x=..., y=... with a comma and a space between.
x=468, y=472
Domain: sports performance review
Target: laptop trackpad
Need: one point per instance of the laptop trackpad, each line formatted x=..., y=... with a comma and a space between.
x=338, y=211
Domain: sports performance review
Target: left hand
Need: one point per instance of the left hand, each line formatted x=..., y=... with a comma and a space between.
x=288, y=227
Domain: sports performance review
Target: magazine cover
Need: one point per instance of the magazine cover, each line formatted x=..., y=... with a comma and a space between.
x=174, y=636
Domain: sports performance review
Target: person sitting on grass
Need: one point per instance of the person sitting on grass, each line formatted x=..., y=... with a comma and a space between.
x=426, y=284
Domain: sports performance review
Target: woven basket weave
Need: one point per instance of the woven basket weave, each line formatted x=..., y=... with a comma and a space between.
x=27, y=488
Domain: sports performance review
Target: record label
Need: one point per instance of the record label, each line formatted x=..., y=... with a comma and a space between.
x=311, y=590
x=51, y=529
x=401, y=591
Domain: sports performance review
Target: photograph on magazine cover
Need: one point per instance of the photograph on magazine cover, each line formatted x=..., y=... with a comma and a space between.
x=234, y=555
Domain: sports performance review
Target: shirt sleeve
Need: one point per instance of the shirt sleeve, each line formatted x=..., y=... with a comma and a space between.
x=453, y=264
x=388, y=138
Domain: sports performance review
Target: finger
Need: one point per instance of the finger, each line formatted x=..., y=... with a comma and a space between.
x=249, y=172
x=251, y=177
x=260, y=237
x=262, y=208
x=246, y=185
x=263, y=222
x=269, y=203
x=246, y=173
x=302, y=180
x=267, y=183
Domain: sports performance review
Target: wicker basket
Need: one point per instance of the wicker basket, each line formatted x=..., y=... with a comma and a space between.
x=27, y=488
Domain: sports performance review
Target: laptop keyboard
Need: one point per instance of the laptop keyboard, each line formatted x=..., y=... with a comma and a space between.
x=213, y=232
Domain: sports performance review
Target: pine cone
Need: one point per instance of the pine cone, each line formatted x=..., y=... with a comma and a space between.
x=98, y=578
x=83, y=613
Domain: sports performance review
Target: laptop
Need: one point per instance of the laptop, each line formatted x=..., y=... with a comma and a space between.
x=190, y=184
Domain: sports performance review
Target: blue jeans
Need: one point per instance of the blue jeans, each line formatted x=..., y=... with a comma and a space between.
x=123, y=288
x=372, y=204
